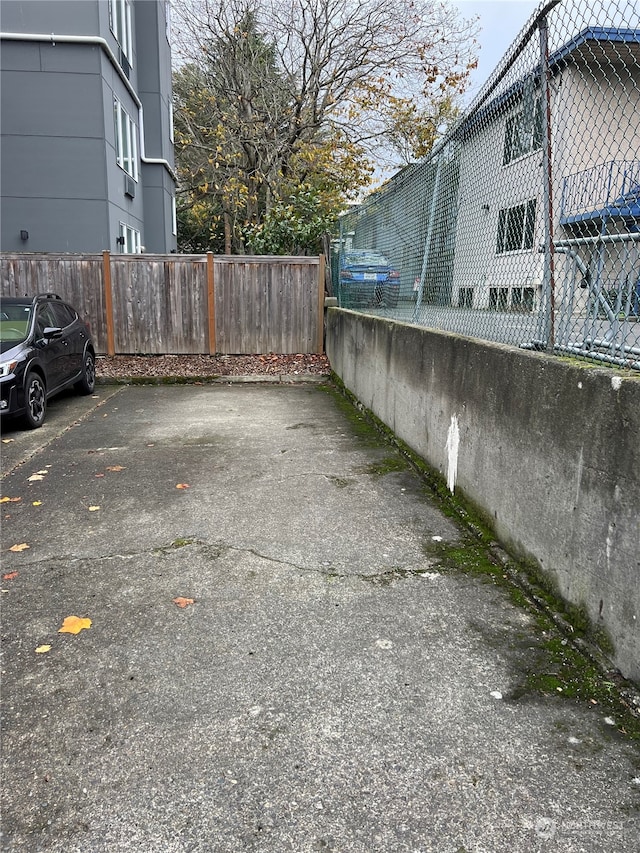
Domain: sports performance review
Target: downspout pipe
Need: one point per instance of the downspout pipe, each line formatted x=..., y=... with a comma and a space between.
x=98, y=41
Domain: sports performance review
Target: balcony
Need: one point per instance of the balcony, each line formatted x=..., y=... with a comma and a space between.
x=608, y=191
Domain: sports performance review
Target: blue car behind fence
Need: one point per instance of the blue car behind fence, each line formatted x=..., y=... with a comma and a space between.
x=367, y=280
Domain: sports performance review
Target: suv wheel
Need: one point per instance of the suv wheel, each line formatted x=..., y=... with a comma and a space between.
x=35, y=398
x=87, y=384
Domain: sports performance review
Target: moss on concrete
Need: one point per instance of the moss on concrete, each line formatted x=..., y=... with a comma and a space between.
x=387, y=466
x=569, y=658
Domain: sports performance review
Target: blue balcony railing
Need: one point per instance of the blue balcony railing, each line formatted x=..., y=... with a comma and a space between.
x=601, y=191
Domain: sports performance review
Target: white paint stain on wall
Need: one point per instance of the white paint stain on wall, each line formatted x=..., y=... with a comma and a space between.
x=616, y=382
x=610, y=535
x=453, y=445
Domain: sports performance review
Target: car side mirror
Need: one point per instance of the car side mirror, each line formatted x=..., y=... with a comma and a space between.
x=52, y=332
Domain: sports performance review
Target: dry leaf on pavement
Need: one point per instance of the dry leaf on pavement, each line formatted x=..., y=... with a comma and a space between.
x=74, y=624
x=183, y=602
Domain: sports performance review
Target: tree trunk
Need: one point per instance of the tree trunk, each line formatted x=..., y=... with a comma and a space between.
x=227, y=233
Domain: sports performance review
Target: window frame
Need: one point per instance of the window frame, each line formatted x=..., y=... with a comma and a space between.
x=498, y=299
x=465, y=297
x=526, y=132
x=132, y=240
x=126, y=133
x=523, y=299
x=121, y=25
x=516, y=227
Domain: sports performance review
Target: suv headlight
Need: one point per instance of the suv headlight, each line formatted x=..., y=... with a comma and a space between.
x=7, y=367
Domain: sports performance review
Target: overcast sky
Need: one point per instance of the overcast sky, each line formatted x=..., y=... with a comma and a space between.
x=500, y=22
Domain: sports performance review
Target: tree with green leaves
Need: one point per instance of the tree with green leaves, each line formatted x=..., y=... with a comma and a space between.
x=288, y=105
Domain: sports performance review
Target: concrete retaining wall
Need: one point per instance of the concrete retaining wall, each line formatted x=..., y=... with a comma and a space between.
x=549, y=450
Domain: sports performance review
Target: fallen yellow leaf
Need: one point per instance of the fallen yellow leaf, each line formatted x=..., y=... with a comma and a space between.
x=94, y=508
x=183, y=602
x=42, y=649
x=34, y=477
x=37, y=503
x=182, y=486
x=116, y=467
x=22, y=547
x=9, y=500
x=74, y=624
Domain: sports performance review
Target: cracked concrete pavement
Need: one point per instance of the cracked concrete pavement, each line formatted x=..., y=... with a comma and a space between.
x=330, y=688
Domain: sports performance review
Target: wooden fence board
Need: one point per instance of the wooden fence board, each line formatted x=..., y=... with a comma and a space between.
x=267, y=306
x=183, y=303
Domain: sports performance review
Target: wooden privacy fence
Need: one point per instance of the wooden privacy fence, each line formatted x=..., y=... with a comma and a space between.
x=182, y=303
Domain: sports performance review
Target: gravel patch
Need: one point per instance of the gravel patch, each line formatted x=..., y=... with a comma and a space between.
x=121, y=367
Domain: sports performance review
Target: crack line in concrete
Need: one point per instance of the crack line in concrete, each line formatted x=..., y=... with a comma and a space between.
x=382, y=577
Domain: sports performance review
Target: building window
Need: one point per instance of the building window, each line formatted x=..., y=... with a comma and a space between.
x=120, y=23
x=523, y=132
x=129, y=240
x=498, y=297
x=516, y=226
x=126, y=140
x=174, y=217
x=465, y=297
x=522, y=298
x=170, y=121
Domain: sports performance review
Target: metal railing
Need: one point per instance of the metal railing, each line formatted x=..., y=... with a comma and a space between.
x=613, y=184
x=523, y=225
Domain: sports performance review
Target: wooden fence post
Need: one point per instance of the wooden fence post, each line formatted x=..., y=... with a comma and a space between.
x=108, y=301
x=211, y=305
x=320, y=331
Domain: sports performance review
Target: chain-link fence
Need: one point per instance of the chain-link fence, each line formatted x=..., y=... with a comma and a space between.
x=523, y=226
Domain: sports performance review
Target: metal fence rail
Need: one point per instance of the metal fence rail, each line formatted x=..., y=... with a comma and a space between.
x=523, y=226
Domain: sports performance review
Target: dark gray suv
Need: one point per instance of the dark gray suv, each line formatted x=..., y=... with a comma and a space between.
x=46, y=348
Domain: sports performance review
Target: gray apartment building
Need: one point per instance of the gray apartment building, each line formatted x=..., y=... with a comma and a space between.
x=86, y=128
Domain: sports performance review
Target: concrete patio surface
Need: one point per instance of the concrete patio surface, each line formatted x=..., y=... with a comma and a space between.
x=331, y=682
